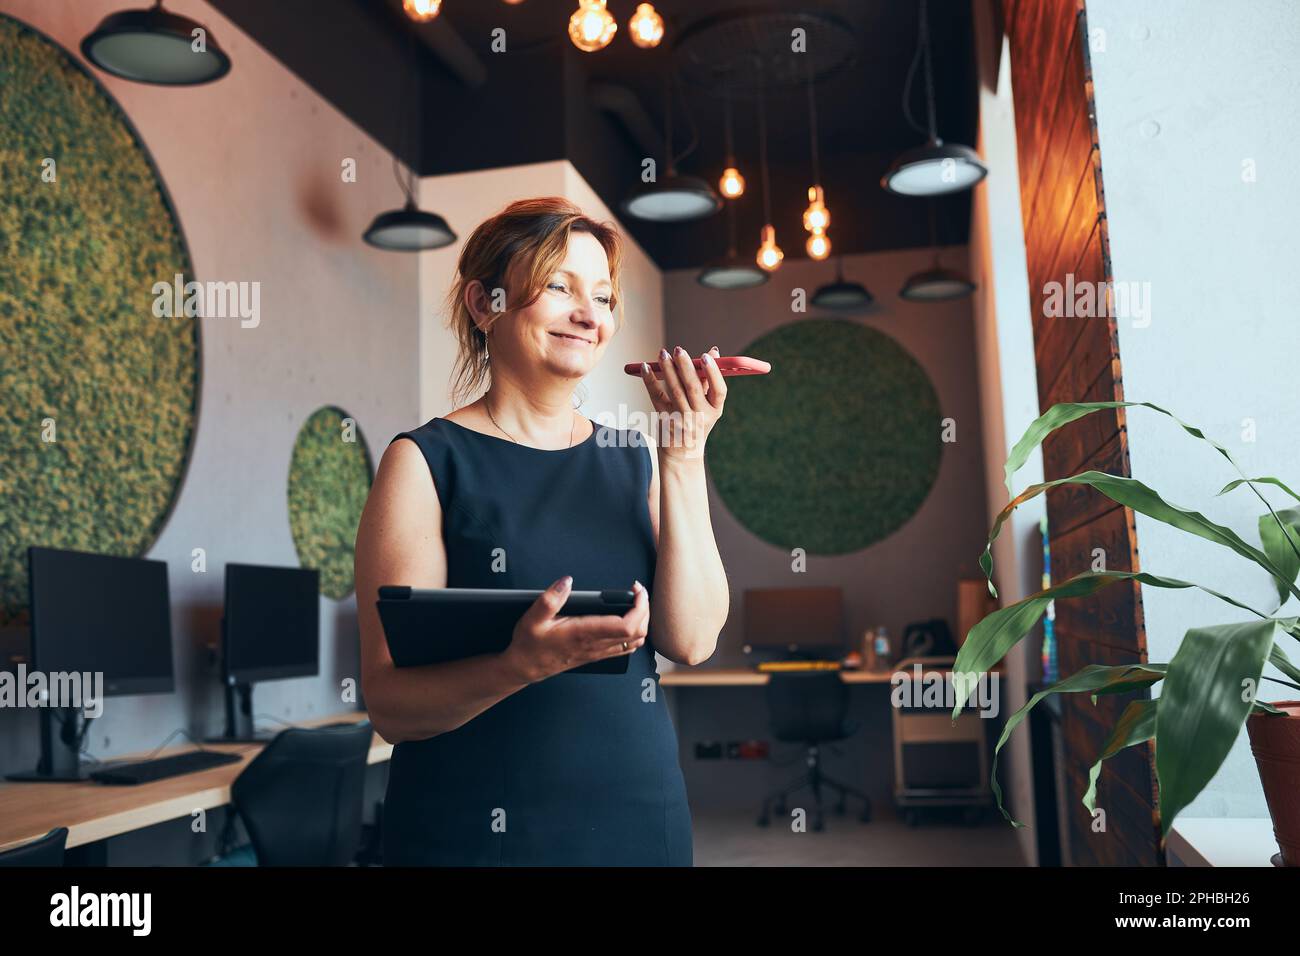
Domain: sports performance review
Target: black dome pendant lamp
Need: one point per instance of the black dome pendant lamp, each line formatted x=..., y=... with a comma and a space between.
x=937, y=167
x=732, y=271
x=842, y=296
x=409, y=229
x=936, y=284
x=153, y=46
x=673, y=198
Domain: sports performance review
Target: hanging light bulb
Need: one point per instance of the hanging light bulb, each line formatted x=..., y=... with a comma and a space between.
x=816, y=218
x=646, y=26
x=769, y=253
x=592, y=26
x=421, y=11
x=514, y=3
x=818, y=245
x=732, y=184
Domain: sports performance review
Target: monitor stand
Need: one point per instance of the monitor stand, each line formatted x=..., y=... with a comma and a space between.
x=60, y=760
x=239, y=718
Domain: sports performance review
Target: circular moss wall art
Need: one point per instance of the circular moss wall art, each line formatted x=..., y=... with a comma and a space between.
x=329, y=480
x=97, y=395
x=836, y=448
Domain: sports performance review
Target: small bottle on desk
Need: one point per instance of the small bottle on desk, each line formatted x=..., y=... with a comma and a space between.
x=881, y=650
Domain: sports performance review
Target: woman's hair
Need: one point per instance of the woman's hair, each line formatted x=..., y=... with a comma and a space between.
x=516, y=250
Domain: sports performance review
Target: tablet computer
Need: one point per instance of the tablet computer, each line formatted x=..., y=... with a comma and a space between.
x=434, y=625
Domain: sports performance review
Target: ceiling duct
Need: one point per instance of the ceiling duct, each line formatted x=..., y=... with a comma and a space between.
x=625, y=106
x=448, y=46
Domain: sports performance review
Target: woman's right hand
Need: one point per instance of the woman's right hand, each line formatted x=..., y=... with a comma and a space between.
x=543, y=644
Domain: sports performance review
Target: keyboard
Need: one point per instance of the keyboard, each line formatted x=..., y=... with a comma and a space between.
x=146, y=771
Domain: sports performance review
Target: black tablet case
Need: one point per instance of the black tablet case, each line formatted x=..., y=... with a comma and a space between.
x=435, y=625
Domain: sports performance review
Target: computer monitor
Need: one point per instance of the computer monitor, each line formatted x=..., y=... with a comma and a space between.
x=102, y=613
x=272, y=623
x=270, y=631
x=94, y=614
x=799, y=622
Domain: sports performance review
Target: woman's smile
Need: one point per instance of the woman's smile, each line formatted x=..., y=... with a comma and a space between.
x=576, y=341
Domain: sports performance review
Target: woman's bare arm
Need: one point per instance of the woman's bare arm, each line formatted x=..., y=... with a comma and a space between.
x=399, y=541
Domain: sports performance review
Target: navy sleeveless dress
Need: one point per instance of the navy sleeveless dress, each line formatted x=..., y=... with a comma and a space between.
x=576, y=769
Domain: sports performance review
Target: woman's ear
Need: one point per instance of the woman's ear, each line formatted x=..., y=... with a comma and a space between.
x=479, y=305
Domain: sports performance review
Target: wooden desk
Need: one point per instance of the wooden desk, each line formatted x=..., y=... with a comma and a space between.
x=748, y=677
x=95, y=811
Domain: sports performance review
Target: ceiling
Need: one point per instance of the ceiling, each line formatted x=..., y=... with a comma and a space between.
x=542, y=99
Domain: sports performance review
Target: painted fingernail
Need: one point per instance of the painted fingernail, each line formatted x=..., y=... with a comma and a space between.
x=678, y=350
x=708, y=359
x=663, y=353
x=645, y=368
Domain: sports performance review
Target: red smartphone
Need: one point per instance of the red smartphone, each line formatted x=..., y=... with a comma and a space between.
x=728, y=365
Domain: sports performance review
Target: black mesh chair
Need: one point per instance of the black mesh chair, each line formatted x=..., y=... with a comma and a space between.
x=300, y=798
x=43, y=851
x=809, y=707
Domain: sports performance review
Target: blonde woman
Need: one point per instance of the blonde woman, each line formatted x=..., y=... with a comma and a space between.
x=505, y=759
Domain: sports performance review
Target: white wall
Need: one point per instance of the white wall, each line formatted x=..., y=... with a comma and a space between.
x=1004, y=340
x=1190, y=95
x=252, y=163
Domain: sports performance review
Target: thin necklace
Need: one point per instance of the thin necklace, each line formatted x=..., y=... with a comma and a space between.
x=512, y=437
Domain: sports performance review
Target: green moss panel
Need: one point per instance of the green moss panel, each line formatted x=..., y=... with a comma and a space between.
x=79, y=343
x=329, y=478
x=836, y=448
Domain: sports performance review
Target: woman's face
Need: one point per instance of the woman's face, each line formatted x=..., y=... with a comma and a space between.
x=566, y=330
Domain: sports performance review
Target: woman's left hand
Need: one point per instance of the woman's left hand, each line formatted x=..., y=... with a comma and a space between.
x=687, y=407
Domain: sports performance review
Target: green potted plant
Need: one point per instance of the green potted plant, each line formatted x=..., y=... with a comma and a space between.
x=1209, y=686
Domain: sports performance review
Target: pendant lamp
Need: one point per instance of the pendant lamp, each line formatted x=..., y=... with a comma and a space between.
x=937, y=167
x=153, y=46
x=409, y=229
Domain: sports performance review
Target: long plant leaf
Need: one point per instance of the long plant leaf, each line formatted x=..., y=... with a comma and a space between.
x=1281, y=540
x=991, y=639
x=1136, y=495
x=1095, y=678
x=1063, y=413
x=1202, y=707
x=1238, y=482
x=1137, y=724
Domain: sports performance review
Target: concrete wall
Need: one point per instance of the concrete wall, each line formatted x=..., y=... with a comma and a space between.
x=253, y=166
x=1198, y=131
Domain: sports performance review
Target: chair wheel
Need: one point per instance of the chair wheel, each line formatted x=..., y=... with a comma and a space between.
x=763, y=821
x=781, y=809
x=909, y=817
x=819, y=824
x=839, y=809
x=865, y=816
x=973, y=816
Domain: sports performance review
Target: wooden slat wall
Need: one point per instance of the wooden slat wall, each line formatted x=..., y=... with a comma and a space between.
x=1063, y=207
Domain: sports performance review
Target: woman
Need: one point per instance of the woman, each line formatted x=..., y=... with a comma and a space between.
x=505, y=758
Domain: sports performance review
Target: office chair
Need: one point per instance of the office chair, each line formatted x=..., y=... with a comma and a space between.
x=300, y=798
x=810, y=707
x=43, y=851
